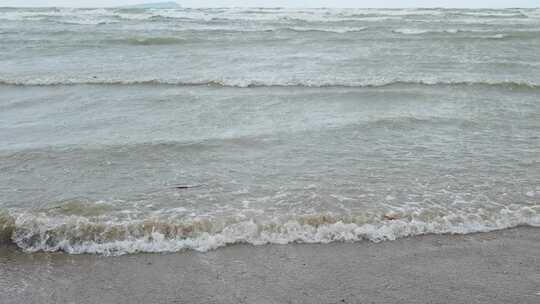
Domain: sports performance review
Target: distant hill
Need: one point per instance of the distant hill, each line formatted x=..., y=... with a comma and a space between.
x=170, y=4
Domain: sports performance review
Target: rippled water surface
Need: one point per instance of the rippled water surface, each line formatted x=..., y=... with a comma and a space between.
x=279, y=126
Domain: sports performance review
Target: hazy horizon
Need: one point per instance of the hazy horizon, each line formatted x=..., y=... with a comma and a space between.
x=281, y=3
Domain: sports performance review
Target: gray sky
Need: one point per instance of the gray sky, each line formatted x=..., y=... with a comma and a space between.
x=286, y=3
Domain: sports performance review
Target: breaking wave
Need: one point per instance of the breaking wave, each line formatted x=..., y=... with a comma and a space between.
x=150, y=41
x=254, y=84
x=486, y=33
x=324, y=30
x=78, y=233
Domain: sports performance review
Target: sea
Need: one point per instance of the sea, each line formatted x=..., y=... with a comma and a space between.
x=131, y=130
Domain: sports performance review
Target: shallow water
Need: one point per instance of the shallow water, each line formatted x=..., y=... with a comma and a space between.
x=280, y=125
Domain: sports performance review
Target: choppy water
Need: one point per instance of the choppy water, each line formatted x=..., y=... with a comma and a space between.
x=312, y=125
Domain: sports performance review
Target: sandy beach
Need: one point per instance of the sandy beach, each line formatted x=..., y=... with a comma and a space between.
x=496, y=267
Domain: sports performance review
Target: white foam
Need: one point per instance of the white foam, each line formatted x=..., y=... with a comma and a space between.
x=329, y=30
x=497, y=36
x=416, y=31
x=408, y=31
x=260, y=82
x=77, y=235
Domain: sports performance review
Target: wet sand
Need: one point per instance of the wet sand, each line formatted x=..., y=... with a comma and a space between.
x=496, y=267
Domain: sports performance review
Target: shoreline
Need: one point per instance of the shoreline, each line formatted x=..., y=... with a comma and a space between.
x=493, y=267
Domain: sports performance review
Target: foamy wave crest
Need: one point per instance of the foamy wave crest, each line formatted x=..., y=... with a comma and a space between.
x=408, y=31
x=150, y=41
x=78, y=234
x=325, y=30
x=244, y=83
x=417, y=31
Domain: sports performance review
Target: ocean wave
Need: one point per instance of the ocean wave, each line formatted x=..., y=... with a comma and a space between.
x=240, y=83
x=323, y=30
x=269, y=29
x=492, y=14
x=86, y=21
x=497, y=36
x=76, y=234
x=151, y=41
x=266, y=14
x=417, y=31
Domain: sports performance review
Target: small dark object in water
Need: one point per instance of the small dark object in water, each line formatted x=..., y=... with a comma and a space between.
x=389, y=217
x=184, y=187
